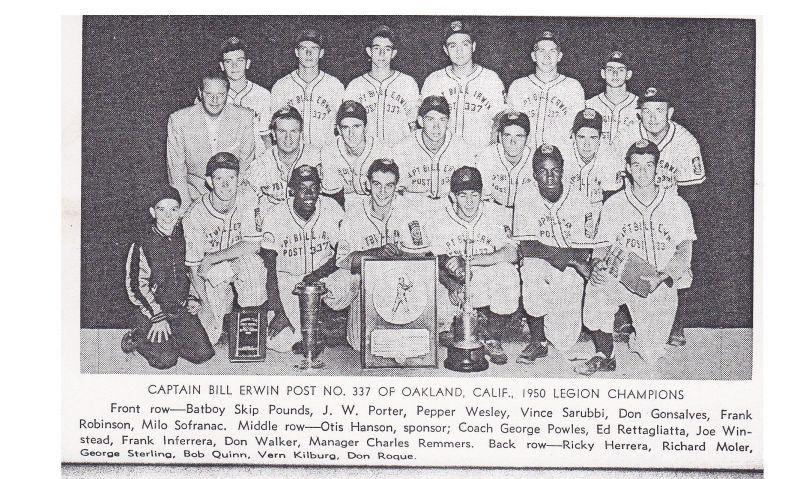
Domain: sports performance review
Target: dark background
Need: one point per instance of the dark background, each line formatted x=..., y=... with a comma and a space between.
x=138, y=70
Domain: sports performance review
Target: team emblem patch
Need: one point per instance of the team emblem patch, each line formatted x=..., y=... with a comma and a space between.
x=259, y=218
x=652, y=91
x=284, y=111
x=350, y=109
x=546, y=148
x=416, y=232
x=512, y=116
x=642, y=143
x=697, y=166
x=589, y=114
x=456, y=26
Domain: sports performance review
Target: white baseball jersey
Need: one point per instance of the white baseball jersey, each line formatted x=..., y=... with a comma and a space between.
x=302, y=246
x=651, y=231
x=551, y=106
x=617, y=118
x=403, y=226
x=570, y=222
x=427, y=173
x=317, y=101
x=207, y=230
x=474, y=102
x=501, y=179
x=391, y=104
x=604, y=173
x=268, y=175
x=680, y=160
x=341, y=170
x=487, y=233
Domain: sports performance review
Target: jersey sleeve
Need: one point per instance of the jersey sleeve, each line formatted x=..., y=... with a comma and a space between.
x=515, y=95
x=497, y=95
x=609, y=223
x=195, y=237
x=691, y=170
x=332, y=181
x=576, y=101
x=523, y=224
x=253, y=215
x=271, y=228
x=612, y=169
x=684, y=223
x=346, y=245
x=137, y=283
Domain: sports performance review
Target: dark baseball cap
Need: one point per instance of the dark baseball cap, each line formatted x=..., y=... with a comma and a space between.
x=466, y=178
x=514, y=118
x=590, y=118
x=309, y=35
x=653, y=94
x=617, y=57
x=351, y=109
x=434, y=103
x=304, y=173
x=546, y=151
x=162, y=192
x=222, y=159
x=546, y=35
x=382, y=31
x=457, y=26
x=643, y=147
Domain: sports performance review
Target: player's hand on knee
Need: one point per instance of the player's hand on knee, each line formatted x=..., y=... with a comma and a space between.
x=159, y=331
x=205, y=266
x=193, y=306
x=600, y=274
x=278, y=324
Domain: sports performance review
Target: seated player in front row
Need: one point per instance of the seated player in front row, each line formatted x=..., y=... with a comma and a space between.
x=655, y=224
x=464, y=225
x=157, y=281
x=382, y=225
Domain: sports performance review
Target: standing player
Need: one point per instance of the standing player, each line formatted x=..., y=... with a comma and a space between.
x=384, y=225
x=429, y=156
x=616, y=104
x=475, y=93
x=554, y=223
x=235, y=61
x=345, y=160
x=222, y=231
x=314, y=93
x=299, y=244
x=655, y=224
x=549, y=98
x=390, y=97
x=466, y=225
x=196, y=133
x=269, y=172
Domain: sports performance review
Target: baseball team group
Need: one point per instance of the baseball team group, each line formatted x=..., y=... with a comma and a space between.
x=568, y=208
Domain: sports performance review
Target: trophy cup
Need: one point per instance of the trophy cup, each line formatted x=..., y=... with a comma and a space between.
x=467, y=354
x=309, y=296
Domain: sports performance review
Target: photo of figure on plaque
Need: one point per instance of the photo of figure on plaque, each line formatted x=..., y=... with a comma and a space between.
x=398, y=313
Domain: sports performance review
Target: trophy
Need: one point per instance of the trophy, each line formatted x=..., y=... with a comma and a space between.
x=467, y=354
x=310, y=296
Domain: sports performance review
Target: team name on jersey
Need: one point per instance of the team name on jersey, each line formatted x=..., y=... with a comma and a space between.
x=631, y=233
x=474, y=100
x=295, y=244
x=215, y=236
x=370, y=101
x=501, y=182
x=557, y=106
x=420, y=175
x=320, y=113
x=480, y=244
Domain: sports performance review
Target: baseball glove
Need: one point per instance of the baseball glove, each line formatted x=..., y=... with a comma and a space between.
x=632, y=269
x=456, y=268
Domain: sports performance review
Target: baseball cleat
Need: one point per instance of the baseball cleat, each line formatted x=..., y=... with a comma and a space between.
x=623, y=335
x=596, y=363
x=495, y=351
x=532, y=352
x=677, y=339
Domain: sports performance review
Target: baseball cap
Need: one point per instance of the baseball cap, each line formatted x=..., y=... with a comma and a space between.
x=457, y=26
x=546, y=151
x=514, y=118
x=617, y=57
x=466, y=178
x=309, y=35
x=546, y=35
x=643, y=147
x=434, y=103
x=223, y=159
x=304, y=173
x=231, y=44
x=382, y=31
x=351, y=109
x=287, y=112
x=162, y=192
x=653, y=94
x=590, y=118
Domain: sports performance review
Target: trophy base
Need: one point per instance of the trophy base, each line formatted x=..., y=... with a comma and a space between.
x=305, y=365
x=464, y=360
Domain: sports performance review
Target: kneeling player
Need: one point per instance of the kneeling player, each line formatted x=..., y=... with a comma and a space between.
x=555, y=224
x=467, y=226
x=655, y=224
x=299, y=245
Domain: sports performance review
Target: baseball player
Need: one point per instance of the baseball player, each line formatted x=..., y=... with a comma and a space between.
x=616, y=104
x=506, y=165
x=196, y=133
x=429, y=156
x=390, y=97
x=554, y=223
x=299, y=244
x=235, y=62
x=466, y=225
x=269, y=172
x=655, y=224
x=157, y=282
x=475, y=93
x=314, y=93
x=222, y=232
x=680, y=162
x=345, y=160
x=383, y=225
x=549, y=98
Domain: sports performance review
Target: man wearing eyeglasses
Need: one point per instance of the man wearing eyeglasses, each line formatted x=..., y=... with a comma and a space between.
x=390, y=97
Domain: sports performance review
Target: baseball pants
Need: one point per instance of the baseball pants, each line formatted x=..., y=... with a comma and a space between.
x=188, y=341
x=496, y=286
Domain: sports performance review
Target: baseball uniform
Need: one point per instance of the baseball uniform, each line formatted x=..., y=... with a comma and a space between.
x=474, y=102
x=268, y=175
x=207, y=231
x=403, y=226
x=557, y=295
x=193, y=137
x=551, y=106
x=391, y=104
x=302, y=247
x=343, y=171
x=604, y=172
x=680, y=161
x=502, y=179
x=317, y=101
x=618, y=118
x=653, y=232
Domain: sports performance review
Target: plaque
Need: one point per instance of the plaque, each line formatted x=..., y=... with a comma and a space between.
x=247, y=334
